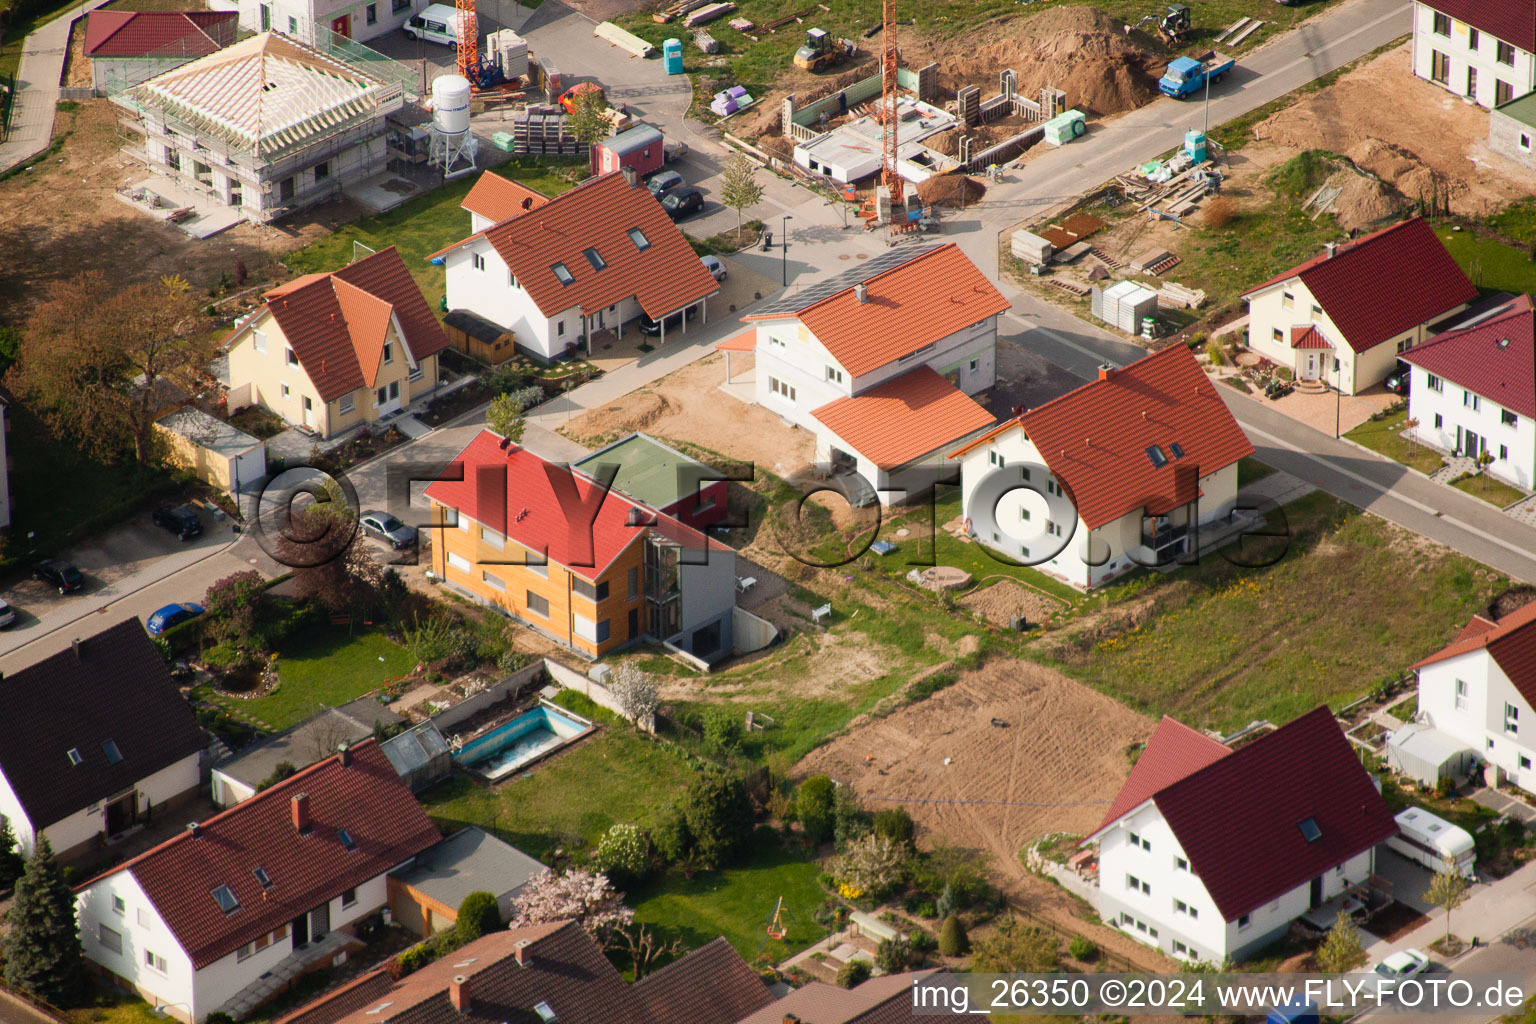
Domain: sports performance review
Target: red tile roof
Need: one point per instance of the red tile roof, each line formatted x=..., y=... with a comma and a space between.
x=746, y=341
x=881, y=1000
x=1173, y=751
x=1476, y=626
x=498, y=198
x=1309, y=337
x=336, y=322
x=1510, y=642
x=1095, y=438
x=904, y=418
x=1382, y=284
x=1513, y=21
x=913, y=304
x=157, y=33
x=1239, y=818
x=1495, y=359
x=664, y=277
x=711, y=985
x=364, y=797
x=546, y=506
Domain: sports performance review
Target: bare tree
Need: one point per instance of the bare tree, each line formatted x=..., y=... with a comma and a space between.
x=637, y=693
x=739, y=187
x=642, y=945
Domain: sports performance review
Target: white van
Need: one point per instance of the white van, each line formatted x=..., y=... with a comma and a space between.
x=1434, y=842
x=436, y=23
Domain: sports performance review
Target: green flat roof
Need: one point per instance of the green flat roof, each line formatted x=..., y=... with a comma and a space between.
x=647, y=469
x=1522, y=109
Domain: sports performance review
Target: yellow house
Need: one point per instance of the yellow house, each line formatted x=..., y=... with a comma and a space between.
x=328, y=352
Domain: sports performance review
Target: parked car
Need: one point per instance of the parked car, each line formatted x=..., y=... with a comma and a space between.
x=715, y=267
x=664, y=182
x=388, y=529
x=182, y=520
x=59, y=574
x=171, y=615
x=682, y=202
x=1400, y=965
x=7, y=614
x=437, y=23
x=1397, y=380
x=652, y=328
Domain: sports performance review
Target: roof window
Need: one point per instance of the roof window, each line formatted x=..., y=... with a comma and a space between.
x=562, y=273
x=1309, y=830
x=262, y=877
x=1177, y=450
x=1155, y=454
x=74, y=756
x=544, y=1010
x=224, y=896
x=638, y=237
x=114, y=755
x=594, y=258
x=345, y=838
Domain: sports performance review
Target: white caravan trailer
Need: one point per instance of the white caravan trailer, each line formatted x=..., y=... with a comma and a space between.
x=1434, y=842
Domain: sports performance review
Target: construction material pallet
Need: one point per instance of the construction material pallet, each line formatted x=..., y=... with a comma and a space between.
x=1247, y=31
x=1068, y=285
x=677, y=10
x=780, y=22
x=1160, y=267
x=1105, y=258
x=1176, y=296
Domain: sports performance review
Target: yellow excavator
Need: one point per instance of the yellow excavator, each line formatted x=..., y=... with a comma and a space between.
x=821, y=51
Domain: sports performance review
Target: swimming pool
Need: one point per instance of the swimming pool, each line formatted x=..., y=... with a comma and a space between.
x=525, y=739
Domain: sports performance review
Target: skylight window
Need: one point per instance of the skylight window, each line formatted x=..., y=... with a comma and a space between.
x=562, y=273
x=1156, y=455
x=594, y=258
x=74, y=756
x=262, y=877
x=1309, y=830
x=638, y=237
x=114, y=755
x=345, y=838
x=1177, y=450
x=224, y=896
x=545, y=1011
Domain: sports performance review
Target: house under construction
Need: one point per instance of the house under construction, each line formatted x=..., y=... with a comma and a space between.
x=268, y=125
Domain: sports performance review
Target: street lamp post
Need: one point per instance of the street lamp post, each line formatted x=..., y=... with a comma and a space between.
x=1338, y=396
x=784, y=249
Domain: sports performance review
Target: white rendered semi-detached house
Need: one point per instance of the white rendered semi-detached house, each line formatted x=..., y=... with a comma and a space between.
x=1120, y=472
x=879, y=363
x=589, y=260
x=1209, y=853
x=224, y=914
x=97, y=739
x=1473, y=391
x=1478, y=49
x=1343, y=317
x=1481, y=691
x=320, y=21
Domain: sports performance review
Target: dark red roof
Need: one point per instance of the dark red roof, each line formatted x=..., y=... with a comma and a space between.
x=883, y=1000
x=364, y=797
x=1239, y=819
x=336, y=322
x=1095, y=438
x=1382, y=284
x=1173, y=751
x=1513, y=21
x=1510, y=642
x=544, y=506
x=157, y=33
x=1495, y=359
x=663, y=277
x=115, y=688
x=711, y=985
x=1309, y=337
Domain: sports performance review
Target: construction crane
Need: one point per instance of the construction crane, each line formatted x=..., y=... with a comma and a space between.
x=890, y=60
x=469, y=41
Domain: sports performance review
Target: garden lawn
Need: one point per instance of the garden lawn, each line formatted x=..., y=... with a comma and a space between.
x=571, y=799
x=1490, y=489
x=1353, y=602
x=737, y=902
x=323, y=668
x=1492, y=265
x=1251, y=470
x=1383, y=436
x=114, y=1008
x=421, y=226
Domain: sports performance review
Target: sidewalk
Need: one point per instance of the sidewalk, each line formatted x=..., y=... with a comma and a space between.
x=1490, y=911
x=37, y=87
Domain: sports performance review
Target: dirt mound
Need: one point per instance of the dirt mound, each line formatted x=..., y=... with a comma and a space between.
x=635, y=412
x=950, y=190
x=1363, y=202
x=1081, y=50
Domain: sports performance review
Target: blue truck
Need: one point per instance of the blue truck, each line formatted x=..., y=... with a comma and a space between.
x=1187, y=75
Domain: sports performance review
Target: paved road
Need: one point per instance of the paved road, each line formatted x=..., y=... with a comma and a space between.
x=37, y=85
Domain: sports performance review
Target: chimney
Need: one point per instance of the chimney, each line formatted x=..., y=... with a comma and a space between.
x=524, y=958
x=1330, y=248
x=790, y=1018
x=301, y=822
x=636, y=517
x=76, y=645
x=345, y=753
x=458, y=992
x=629, y=176
x=861, y=292
x=1105, y=369
x=195, y=829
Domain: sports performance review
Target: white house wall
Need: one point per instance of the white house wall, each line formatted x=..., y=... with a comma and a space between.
x=142, y=929
x=1520, y=76
x=1480, y=723
x=325, y=11
x=950, y=354
x=1440, y=413
x=228, y=791
x=86, y=824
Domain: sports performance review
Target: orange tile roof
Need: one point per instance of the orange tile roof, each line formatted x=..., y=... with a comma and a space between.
x=1095, y=438
x=916, y=303
x=499, y=198
x=1309, y=337
x=337, y=322
x=903, y=419
x=746, y=341
x=663, y=277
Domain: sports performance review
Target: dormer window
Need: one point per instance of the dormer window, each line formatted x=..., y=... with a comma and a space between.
x=74, y=756
x=224, y=896
x=562, y=274
x=594, y=258
x=114, y=755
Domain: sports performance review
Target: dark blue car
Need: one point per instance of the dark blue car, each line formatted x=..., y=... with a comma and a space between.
x=172, y=615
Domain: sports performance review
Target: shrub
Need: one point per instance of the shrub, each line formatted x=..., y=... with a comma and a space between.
x=670, y=836
x=893, y=955
x=895, y=823
x=923, y=941
x=478, y=915
x=952, y=939
x=415, y=958
x=853, y=973
x=1214, y=353
x=624, y=852
x=873, y=865
x=813, y=806
x=506, y=378
x=1082, y=950
x=218, y=1017
x=722, y=730
x=1218, y=213
x=225, y=656
x=280, y=771
x=849, y=821
x=719, y=817
x=437, y=640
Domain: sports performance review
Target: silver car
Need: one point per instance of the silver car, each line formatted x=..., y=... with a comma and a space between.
x=388, y=529
x=715, y=267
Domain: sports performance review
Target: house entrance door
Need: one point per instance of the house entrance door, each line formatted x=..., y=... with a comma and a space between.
x=1311, y=365
x=122, y=813
x=1316, y=893
x=309, y=412
x=389, y=398
x=342, y=26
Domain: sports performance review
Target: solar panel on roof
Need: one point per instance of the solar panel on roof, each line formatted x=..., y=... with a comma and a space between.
x=828, y=287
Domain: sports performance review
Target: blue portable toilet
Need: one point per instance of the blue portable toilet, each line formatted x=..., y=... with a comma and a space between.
x=672, y=56
x=1300, y=1010
x=1194, y=145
